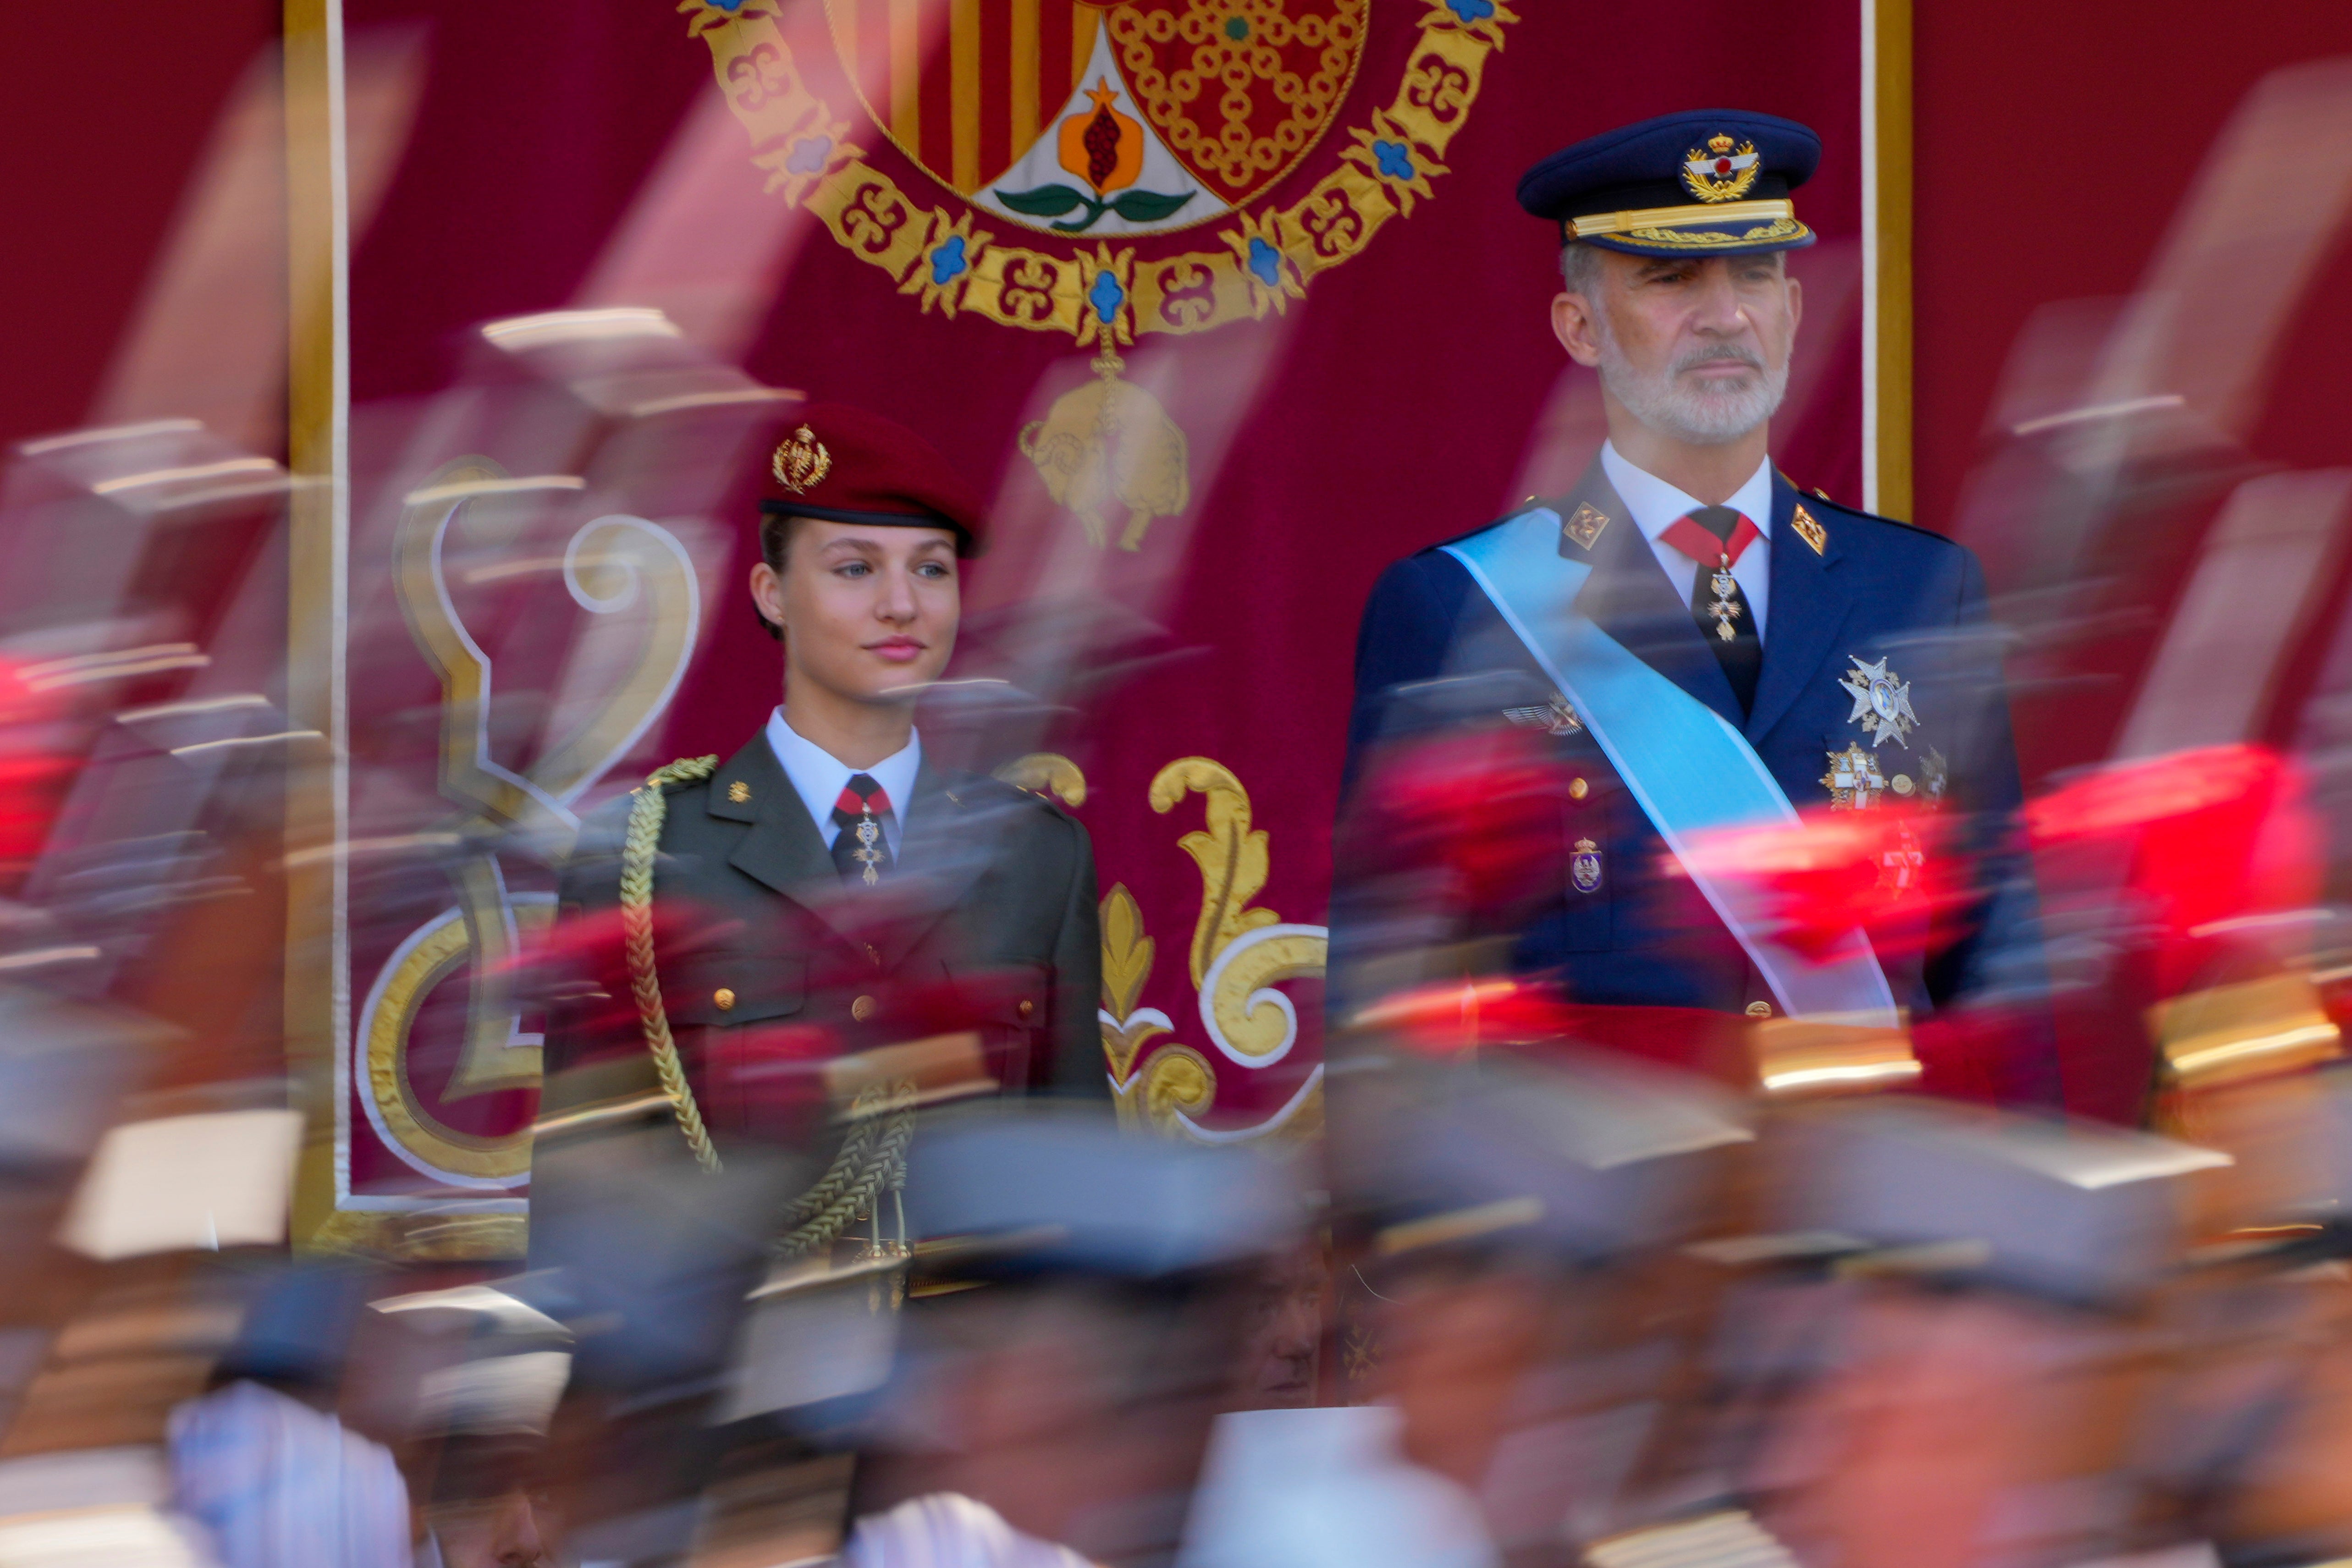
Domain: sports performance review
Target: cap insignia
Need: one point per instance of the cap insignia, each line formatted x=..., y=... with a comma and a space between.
x=1812, y=532
x=1584, y=525
x=802, y=461
x=1720, y=172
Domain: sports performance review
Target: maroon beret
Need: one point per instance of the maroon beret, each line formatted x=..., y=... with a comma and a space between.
x=847, y=465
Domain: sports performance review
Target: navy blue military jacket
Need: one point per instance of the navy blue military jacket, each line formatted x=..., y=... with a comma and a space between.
x=1623, y=928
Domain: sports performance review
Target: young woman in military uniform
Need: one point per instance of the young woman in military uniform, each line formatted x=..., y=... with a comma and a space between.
x=760, y=928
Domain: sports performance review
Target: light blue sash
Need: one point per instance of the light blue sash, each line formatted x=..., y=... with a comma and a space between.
x=1692, y=772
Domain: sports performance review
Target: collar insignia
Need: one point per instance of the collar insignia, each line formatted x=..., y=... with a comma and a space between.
x=1720, y=172
x=1812, y=532
x=802, y=461
x=1583, y=526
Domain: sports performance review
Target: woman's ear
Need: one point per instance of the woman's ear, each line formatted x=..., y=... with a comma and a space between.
x=768, y=594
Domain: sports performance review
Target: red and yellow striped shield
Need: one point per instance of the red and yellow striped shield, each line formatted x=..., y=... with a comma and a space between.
x=1238, y=90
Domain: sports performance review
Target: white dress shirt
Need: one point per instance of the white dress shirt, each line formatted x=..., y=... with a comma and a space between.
x=819, y=777
x=1656, y=504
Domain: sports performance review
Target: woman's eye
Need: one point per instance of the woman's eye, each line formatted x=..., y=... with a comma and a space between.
x=851, y=569
x=932, y=569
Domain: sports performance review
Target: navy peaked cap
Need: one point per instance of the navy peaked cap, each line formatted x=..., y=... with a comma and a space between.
x=1713, y=182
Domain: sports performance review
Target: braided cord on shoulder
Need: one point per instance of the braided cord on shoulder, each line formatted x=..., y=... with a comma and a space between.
x=647, y=808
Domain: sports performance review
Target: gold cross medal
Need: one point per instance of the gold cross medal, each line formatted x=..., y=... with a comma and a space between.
x=869, y=834
x=1723, y=611
x=1854, y=781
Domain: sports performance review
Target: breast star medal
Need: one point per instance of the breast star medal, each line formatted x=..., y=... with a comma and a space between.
x=1881, y=702
x=1584, y=867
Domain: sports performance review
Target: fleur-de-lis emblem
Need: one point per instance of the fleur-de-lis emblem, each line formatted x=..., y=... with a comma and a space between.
x=802, y=461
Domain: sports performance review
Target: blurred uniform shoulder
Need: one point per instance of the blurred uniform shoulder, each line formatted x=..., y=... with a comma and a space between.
x=1027, y=808
x=1869, y=528
x=605, y=828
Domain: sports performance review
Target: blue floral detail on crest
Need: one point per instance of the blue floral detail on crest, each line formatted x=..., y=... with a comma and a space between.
x=1266, y=262
x=1468, y=10
x=809, y=152
x=731, y=6
x=1395, y=160
x=947, y=261
x=1105, y=297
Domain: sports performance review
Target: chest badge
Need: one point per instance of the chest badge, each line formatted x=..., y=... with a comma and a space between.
x=1881, y=702
x=1584, y=867
x=1854, y=781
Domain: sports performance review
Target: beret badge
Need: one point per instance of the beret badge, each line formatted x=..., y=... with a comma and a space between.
x=802, y=461
x=1721, y=171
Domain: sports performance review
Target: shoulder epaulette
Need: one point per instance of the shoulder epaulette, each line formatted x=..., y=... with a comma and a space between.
x=685, y=770
x=1832, y=502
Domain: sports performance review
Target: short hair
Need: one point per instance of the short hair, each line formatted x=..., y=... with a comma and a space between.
x=1580, y=267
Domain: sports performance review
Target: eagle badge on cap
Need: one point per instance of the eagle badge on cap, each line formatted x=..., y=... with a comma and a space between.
x=1720, y=172
x=802, y=461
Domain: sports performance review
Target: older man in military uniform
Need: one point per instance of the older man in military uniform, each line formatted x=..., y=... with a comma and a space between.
x=828, y=890
x=1709, y=649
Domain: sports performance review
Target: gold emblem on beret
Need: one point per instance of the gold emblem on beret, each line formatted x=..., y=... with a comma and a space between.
x=1584, y=525
x=1720, y=172
x=1812, y=532
x=802, y=461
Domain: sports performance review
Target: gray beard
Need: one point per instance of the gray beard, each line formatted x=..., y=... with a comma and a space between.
x=1691, y=413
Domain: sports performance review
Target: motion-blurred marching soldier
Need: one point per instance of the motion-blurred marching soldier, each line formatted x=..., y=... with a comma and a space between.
x=1694, y=645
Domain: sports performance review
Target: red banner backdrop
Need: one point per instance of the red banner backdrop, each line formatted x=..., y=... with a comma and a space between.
x=1227, y=304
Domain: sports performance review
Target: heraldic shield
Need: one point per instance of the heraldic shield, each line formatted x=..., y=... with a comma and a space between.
x=1102, y=116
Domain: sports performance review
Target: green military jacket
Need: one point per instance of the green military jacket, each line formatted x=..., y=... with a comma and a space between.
x=987, y=920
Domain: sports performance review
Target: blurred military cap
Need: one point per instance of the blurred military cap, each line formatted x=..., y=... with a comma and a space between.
x=1045, y=1189
x=2081, y=1214
x=1586, y=1157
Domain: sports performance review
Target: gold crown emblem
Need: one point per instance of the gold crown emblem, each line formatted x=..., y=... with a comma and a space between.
x=1720, y=145
x=802, y=461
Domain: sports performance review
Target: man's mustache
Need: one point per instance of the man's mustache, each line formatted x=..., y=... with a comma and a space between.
x=1725, y=356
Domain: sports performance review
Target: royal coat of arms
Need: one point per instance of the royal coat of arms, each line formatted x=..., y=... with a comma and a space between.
x=1101, y=168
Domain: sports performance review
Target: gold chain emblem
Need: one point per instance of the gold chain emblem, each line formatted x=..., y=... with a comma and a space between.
x=1720, y=172
x=802, y=461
